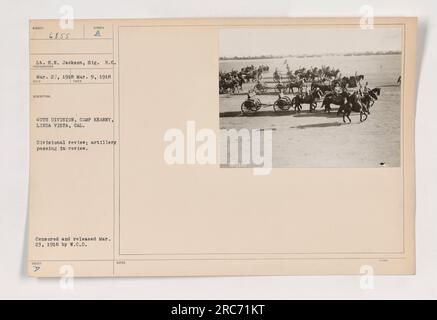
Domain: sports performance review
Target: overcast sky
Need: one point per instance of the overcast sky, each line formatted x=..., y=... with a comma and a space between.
x=286, y=41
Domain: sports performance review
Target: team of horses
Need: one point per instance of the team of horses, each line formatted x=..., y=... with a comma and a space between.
x=232, y=82
x=321, y=84
x=345, y=100
x=348, y=102
x=325, y=85
x=310, y=74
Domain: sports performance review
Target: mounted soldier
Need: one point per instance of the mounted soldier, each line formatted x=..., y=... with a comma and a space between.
x=338, y=89
x=303, y=91
x=251, y=95
x=276, y=76
x=362, y=89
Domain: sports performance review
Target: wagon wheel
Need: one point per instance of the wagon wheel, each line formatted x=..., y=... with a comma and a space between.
x=288, y=99
x=259, y=88
x=250, y=106
x=282, y=104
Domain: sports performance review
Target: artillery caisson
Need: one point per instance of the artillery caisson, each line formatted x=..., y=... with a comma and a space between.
x=282, y=104
x=253, y=105
x=250, y=106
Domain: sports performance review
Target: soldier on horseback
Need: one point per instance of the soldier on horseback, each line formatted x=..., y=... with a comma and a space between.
x=362, y=89
x=337, y=89
x=276, y=76
x=251, y=95
x=303, y=91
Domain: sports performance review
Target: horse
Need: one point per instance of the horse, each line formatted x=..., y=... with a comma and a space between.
x=351, y=82
x=359, y=104
x=322, y=86
x=339, y=100
x=370, y=97
x=310, y=98
x=251, y=75
x=294, y=84
x=230, y=85
x=354, y=103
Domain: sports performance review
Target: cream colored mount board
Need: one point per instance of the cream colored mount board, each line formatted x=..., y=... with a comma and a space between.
x=217, y=147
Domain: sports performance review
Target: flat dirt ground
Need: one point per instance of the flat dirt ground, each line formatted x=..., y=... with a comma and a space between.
x=322, y=140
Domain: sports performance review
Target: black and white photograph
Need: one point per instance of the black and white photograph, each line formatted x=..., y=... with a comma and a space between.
x=218, y=158
x=330, y=95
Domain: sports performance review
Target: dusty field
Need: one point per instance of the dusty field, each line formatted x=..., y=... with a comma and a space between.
x=322, y=140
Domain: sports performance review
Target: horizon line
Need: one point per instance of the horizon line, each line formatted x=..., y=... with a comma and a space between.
x=271, y=56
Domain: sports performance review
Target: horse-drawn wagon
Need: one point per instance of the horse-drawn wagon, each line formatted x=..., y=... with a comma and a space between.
x=253, y=105
x=250, y=106
x=261, y=87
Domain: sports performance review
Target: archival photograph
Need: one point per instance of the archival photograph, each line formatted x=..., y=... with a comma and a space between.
x=326, y=96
